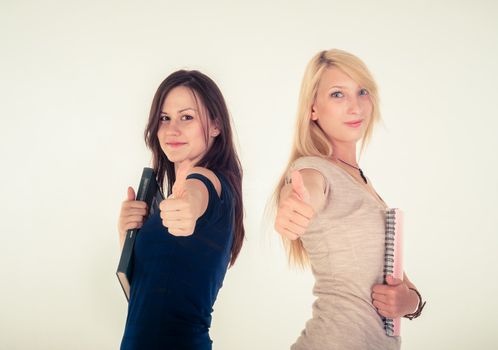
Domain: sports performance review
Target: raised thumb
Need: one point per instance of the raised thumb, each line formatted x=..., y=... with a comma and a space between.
x=298, y=186
x=131, y=194
x=181, y=177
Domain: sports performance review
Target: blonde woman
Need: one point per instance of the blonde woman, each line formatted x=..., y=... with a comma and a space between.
x=330, y=216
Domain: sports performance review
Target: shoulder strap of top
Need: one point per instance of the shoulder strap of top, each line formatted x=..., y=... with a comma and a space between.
x=209, y=185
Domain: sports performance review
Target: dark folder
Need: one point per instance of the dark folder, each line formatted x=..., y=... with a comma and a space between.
x=150, y=193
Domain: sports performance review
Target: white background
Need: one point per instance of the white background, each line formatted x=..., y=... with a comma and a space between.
x=76, y=83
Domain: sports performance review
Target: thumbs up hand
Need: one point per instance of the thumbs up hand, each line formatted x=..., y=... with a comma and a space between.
x=181, y=177
x=298, y=186
x=131, y=215
x=394, y=299
x=294, y=211
x=179, y=211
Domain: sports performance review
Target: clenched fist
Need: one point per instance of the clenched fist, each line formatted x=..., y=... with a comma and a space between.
x=131, y=215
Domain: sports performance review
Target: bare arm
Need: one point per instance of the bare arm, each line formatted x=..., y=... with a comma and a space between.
x=190, y=199
x=198, y=195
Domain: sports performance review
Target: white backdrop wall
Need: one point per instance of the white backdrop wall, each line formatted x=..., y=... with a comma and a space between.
x=77, y=80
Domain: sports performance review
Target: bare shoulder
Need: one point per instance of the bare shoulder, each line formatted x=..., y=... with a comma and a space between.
x=210, y=175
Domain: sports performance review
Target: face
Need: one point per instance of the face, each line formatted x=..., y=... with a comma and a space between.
x=342, y=108
x=183, y=124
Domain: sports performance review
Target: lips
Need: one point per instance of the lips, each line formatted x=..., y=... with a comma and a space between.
x=175, y=144
x=354, y=123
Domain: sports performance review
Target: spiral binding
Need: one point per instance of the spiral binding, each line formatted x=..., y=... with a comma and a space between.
x=389, y=259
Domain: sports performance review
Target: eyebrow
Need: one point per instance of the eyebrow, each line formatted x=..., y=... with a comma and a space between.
x=182, y=110
x=344, y=87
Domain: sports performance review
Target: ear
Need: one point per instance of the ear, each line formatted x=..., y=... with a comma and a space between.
x=313, y=113
x=214, y=129
x=214, y=132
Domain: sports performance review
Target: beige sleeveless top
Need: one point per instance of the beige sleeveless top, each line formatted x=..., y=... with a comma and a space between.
x=345, y=245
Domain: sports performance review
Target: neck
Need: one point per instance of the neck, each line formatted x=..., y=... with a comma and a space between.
x=192, y=163
x=345, y=151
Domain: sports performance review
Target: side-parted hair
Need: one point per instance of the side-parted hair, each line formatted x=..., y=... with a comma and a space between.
x=221, y=156
x=309, y=138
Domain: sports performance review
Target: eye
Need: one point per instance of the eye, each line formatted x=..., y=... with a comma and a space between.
x=187, y=117
x=337, y=94
x=164, y=118
x=364, y=92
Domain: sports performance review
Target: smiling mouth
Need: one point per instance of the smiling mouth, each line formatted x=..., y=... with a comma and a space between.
x=354, y=123
x=175, y=144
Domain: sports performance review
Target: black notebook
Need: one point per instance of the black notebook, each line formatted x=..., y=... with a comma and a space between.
x=150, y=193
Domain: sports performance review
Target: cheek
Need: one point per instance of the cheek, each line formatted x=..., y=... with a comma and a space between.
x=198, y=132
x=197, y=135
x=368, y=108
x=160, y=130
x=334, y=115
x=329, y=112
x=367, y=112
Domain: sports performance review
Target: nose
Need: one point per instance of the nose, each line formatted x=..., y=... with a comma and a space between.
x=354, y=105
x=172, y=128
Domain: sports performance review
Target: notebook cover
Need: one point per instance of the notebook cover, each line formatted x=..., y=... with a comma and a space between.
x=150, y=193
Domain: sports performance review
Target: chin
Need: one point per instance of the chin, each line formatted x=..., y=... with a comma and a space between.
x=174, y=158
x=348, y=137
x=357, y=135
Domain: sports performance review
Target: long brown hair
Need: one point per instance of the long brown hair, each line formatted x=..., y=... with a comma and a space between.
x=221, y=156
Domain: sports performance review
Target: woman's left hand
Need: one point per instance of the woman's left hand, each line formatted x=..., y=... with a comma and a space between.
x=394, y=299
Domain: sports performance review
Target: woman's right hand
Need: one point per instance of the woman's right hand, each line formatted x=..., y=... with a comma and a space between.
x=131, y=215
x=294, y=211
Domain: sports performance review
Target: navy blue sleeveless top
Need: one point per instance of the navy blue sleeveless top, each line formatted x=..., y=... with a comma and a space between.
x=176, y=279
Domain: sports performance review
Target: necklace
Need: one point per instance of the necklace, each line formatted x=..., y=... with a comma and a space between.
x=357, y=168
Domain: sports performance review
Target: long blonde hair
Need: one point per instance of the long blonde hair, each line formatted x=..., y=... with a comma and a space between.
x=309, y=139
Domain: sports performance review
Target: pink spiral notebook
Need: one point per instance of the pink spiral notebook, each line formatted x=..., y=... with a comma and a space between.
x=393, y=260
